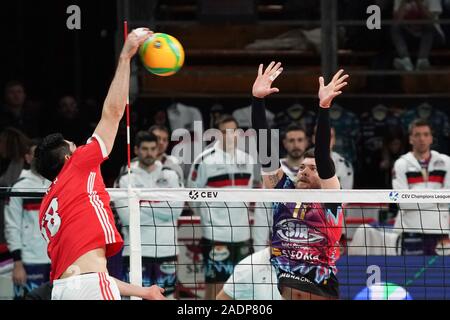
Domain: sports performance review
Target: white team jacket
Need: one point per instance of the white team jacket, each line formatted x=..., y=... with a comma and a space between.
x=425, y=217
x=158, y=219
x=214, y=168
x=167, y=161
x=254, y=278
x=22, y=230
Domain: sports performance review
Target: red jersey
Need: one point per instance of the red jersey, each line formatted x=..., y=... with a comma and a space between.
x=75, y=215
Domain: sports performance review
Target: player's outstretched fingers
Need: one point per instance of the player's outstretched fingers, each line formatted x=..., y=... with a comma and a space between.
x=337, y=75
x=269, y=67
x=340, y=86
x=341, y=79
x=260, y=69
x=276, y=73
x=321, y=82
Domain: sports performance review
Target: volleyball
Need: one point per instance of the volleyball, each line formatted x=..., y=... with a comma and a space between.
x=162, y=54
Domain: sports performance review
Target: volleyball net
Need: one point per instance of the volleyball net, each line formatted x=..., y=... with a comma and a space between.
x=394, y=244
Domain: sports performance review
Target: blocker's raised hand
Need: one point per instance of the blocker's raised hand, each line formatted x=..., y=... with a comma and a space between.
x=333, y=89
x=263, y=84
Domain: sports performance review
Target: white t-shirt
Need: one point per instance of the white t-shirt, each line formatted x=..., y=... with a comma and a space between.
x=253, y=278
x=158, y=219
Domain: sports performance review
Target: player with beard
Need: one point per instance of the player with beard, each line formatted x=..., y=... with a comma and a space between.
x=305, y=238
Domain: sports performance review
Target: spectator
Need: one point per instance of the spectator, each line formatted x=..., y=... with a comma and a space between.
x=405, y=10
x=162, y=133
x=225, y=226
x=347, y=128
x=158, y=221
x=69, y=122
x=15, y=113
x=13, y=147
x=295, y=142
x=373, y=145
x=216, y=111
x=254, y=278
x=22, y=231
x=393, y=148
x=438, y=120
x=422, y=225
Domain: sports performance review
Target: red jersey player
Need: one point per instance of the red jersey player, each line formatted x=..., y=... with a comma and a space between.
x=75, y=215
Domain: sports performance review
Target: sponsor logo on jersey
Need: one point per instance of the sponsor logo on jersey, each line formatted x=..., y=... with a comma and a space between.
x=291, y=230
x=168, y=267
x=295, y=277
x=300, y=255
x=219, y=253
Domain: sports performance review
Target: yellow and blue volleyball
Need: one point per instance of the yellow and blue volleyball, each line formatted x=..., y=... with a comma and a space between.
x=162, y=54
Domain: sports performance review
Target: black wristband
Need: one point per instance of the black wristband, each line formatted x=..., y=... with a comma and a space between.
x=322, y=152
x=17, y=255
x=259, y=121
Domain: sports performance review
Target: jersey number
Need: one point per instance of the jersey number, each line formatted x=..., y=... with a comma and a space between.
x=299, y=209
x=51, y=221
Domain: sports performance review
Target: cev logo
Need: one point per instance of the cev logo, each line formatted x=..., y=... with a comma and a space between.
x=393, y=195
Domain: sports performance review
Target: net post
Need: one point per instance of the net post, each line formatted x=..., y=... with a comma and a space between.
x=135, y=240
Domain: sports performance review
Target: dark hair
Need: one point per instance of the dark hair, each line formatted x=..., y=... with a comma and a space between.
x=308, y=153
x=418, y=123
x=224, y=118
x=158, y=127
x=49, y=156
x=144, y=136
x=35, y=142
x=293, y=127
x=14, y=144
x=13, y=83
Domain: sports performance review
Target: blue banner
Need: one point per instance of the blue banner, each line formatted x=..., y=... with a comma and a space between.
x=394, y=277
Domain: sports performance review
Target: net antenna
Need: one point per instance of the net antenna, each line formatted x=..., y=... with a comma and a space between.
x=133, y=205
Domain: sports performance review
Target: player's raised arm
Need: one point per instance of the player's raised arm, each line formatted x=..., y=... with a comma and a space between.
x=115, y=102
x=325, y=165
x=262, y=87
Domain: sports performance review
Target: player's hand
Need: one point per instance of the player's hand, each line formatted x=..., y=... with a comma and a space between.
x=19, y=275
x=153, y=293
x=134, y=40
x=329, y=92
x=263, y=83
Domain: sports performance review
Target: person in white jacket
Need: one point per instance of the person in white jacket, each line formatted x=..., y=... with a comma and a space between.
x=225, y=226
x=158, y=219
x=163, y=135
x=22, y=231
x=422, y=225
